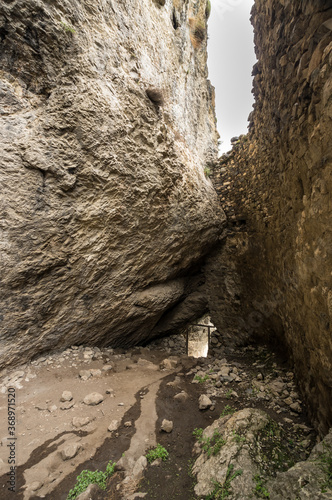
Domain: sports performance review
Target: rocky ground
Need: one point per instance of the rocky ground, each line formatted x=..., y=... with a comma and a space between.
x=231, y=425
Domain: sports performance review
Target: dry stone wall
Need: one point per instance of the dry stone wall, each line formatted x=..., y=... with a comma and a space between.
x=272, y=277
x=106, y=124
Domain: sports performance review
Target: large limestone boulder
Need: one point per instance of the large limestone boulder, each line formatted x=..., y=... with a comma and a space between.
x=105, y=208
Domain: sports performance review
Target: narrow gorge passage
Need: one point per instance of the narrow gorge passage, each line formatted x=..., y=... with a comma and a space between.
x=120, y=229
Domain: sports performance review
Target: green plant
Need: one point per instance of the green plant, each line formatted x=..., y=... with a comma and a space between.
x=207, y=172
x=68, y=28
x=326, y=465
x=228, y=410
x=198, y=433
x=157, y=452
x=210, y=445
x=260, y=491
x=228, y=394
x=208, y=9
x=201, y=379
x=87, y=477
x=222, y=491
x=237, y=438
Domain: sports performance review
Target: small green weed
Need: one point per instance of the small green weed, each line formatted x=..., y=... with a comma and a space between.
x=157, y=452
x=210, y=445
x=228, y=394
x=200, y=379
x=208, y=9
x=198, y=433
x=228, y=410
x=207, y=172
x=326, y=465
x=68, y=28
x=260, y=491
x=222, y=491
x=237, y=438
x=87, y=477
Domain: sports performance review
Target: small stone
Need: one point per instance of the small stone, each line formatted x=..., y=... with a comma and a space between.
x=204, y=402
x=296, y=407
x=52, y=408
x=95, y=372
x=70, y=451
x=167, y=425
x=181, y=397
x=157, y=462
x=139, y=467
x=218, y=384
x=66, y=396
x=224, y=371
x=80, y=421
x=93, y=399
x=288, y=401
x=109, y=391
x=67, y=405
x=127, y=424
x=91, y=492
x=107, y=368
x=259, y=376
x=113, y=425
x=41, y=406
x=36, y=485
x=168, y=364
x=85, y=374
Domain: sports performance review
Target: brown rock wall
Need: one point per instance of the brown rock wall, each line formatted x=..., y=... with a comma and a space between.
x=272, y=277
x=105, y=209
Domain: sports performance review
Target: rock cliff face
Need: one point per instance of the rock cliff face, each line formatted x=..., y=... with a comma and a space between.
x=107, y=123
x=272, y=278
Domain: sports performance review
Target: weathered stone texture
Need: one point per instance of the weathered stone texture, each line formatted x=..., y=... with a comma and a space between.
x=105, y=208
x=272, y=278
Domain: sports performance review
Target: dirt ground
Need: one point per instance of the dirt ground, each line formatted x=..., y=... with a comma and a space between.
x=138, y=393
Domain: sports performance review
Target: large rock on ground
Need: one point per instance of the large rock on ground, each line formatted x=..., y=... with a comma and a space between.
x=105, y=207
x=244, y=453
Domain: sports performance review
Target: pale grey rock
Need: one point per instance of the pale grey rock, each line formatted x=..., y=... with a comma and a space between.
x=167, y=425
x=107, y=368
x=107, y=209
x=93, y=399
x=168, y=364
x=67, y=405
x=35, y=486
x=114, y=425
x=41, y=406
x=85, y=374
x=139, y=467
x=95, y=372
x=90, y=493
x=66, y=396
x=80, y=421
x=204, y=402
x=70, y=451
x=208, y=469
x=181, y=397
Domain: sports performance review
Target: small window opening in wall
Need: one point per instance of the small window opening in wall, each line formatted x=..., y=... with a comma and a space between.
x=198, y=337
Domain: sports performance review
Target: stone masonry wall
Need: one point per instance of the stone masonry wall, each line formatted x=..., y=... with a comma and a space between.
x=271, y=279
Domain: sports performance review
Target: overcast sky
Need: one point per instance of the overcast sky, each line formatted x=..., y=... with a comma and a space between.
x=230, y=59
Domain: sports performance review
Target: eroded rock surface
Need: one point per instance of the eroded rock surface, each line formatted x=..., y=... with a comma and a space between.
x=105, y=207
